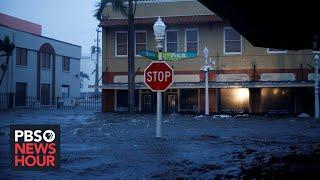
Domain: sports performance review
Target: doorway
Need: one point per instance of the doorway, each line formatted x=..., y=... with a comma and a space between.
x=171, y=103
x=21, y=94
x=45, y=94
x=147, y=103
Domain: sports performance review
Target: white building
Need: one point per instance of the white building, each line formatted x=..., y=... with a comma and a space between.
x=40, y=67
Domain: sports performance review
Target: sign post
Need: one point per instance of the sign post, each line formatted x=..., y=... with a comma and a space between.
x=158, y=76
x=159, y=30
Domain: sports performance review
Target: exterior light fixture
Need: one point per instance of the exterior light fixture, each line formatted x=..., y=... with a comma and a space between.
x=159, y=30
x=205, y=53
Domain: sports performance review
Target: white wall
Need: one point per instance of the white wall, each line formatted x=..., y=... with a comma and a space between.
x=29, y=74
x=71, y=78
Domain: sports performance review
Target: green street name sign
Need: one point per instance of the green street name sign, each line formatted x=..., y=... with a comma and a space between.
x=149, y=54
x=178, y=56
x=166, y=56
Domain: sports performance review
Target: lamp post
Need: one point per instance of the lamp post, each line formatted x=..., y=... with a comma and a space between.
x=159, y=29
x=206, y=68
x=316, y=86
x=97, y=64
x=316, y=53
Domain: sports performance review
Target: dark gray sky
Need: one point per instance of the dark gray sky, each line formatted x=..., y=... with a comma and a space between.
x=66, y=20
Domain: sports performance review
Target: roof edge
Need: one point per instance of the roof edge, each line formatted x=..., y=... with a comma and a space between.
x=111, y=22
x=41, y=36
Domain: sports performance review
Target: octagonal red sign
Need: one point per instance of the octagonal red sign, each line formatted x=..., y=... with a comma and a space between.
x=158, y=76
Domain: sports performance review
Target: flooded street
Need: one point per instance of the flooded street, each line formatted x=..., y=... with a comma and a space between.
x=117, y=145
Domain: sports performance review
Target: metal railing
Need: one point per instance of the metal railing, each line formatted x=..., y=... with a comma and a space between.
x=4, y=101
x=12, y=101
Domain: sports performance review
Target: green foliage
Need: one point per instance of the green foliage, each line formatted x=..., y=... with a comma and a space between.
x=3, y=67
x=6, y=46
x=117, y=5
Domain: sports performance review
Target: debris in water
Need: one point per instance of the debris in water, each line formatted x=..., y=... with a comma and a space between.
x=222, y=116
x=304, y=115
x=198, y=117
x=78, y=131
x=242, y=115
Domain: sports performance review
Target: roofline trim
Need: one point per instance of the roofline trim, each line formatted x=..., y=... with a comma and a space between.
x=146, y=17
x=105, y=22
x=41, y=36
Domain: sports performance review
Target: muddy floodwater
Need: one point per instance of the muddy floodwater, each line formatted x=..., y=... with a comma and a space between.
x=117, y=145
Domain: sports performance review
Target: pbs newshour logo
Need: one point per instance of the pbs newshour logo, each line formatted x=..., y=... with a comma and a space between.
x=35, y=147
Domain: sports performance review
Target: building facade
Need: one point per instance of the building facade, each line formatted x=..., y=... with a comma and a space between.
x=244, y=78
x=39, y=67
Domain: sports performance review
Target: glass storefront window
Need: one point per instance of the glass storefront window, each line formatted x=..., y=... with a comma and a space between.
x=189, y=99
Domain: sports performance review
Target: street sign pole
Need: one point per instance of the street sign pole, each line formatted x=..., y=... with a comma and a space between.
x=158, y=77
x=159, y=107
x=159, y=30
x=159, y=114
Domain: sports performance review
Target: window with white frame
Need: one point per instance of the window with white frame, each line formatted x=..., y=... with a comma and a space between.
x=172, y=41
x=141, y=41
x=232, y=41
x=192, y=40
x=121, y=43
x=274, y=50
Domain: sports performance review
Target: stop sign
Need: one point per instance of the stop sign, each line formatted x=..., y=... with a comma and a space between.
x=158, y=76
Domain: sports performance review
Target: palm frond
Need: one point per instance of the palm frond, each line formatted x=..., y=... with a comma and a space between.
x=117, y=5
x=7, y=46
x=135, y=7
x=100, y=5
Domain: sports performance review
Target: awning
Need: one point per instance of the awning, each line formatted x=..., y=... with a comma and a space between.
x=278, y=24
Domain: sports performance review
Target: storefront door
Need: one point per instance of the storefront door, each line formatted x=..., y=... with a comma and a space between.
x=147, y=103
x=171, y=103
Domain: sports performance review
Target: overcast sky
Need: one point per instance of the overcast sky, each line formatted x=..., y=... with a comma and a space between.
x=66, y=20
